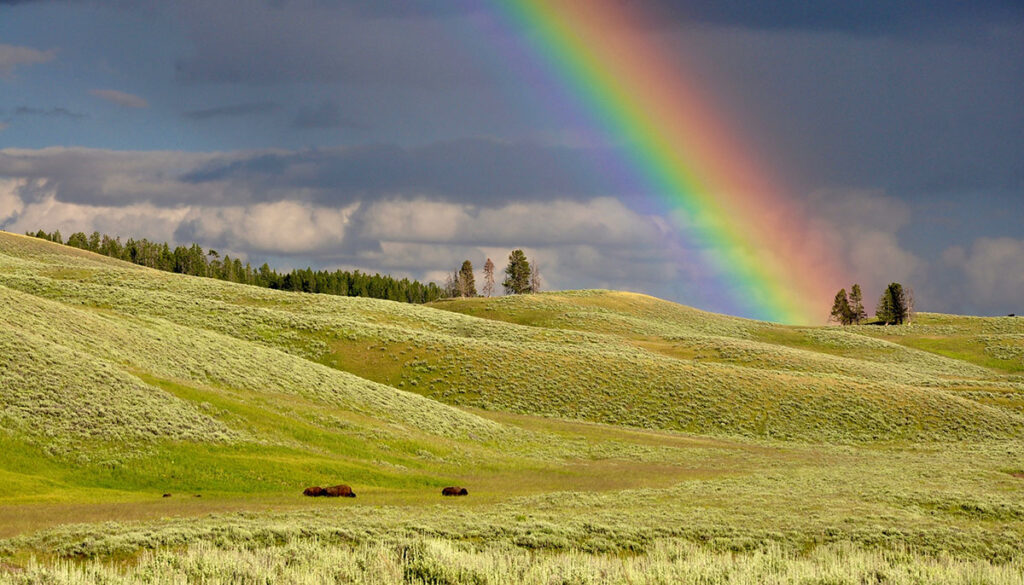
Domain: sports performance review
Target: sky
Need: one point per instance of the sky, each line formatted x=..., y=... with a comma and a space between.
x=396, y=137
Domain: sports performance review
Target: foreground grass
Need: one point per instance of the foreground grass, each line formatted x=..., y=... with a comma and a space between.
x=436, y=561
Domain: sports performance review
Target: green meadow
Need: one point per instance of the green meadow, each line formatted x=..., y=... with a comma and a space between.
x=604, y=437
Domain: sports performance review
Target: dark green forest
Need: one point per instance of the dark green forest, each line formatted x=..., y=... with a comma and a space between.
x=194, y=261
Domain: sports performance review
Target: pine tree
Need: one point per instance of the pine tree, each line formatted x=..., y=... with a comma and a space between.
x=857, y=305
x=892, y=307
x=488, y=278
x=884, y=311
x=841, y=308
x=467, y=284
x=517, y=274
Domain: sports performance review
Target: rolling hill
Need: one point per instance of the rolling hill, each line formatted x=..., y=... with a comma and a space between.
x=141, y=356
x=120, y=383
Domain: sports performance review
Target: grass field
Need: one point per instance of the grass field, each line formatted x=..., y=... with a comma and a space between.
x=604, y=437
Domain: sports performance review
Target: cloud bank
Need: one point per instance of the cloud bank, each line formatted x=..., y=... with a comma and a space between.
x=326, y=209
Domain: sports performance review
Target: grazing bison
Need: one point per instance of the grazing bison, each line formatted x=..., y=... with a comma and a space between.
x=167, y=495
x=313, y=491
x=454, y=491
x=339, y=491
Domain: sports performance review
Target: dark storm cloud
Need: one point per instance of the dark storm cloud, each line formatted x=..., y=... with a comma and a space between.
x=865, y=17
x=234, y=111
x=326, y=115
x=254, y=44
x=481, y=171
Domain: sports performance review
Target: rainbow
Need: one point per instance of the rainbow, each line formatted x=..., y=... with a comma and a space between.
x=763, y=253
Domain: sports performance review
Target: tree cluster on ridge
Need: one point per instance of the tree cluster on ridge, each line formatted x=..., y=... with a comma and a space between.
x=521, y=277
x=895, y=306
x=192, y=260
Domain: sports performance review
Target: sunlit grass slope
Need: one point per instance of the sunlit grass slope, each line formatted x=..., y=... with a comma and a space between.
x=862, y=382
x=119, y=384
x=603, y=356
x=129, y=400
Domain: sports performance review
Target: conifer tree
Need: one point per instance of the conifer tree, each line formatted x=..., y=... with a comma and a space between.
x=892, y=306
x=841, y=312
x=857, y=311
x=517, y=274
x=488, y=278
x=466, y=282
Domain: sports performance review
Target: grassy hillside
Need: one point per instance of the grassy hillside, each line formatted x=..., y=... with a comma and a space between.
x=606, y=357
x=584, y=423
x=921, y=380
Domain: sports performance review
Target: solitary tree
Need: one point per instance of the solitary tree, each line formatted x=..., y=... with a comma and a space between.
x=488, y=278
x=841, y=312
x=517, y=274
x=857, y=305
x=465, y=282
x=892, y=306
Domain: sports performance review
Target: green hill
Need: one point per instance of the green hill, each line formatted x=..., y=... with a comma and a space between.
x=618, y=358
x=582, y=422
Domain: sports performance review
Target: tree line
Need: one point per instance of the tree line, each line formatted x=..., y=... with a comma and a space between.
x=194, y=261
x=521, y=277
x=894, y=307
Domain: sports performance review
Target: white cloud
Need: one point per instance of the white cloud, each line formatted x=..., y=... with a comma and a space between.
x=286, y=227
x=602, y=220
x=12, y=56
x=10, y=201
x=120, y=98
x=47, y=213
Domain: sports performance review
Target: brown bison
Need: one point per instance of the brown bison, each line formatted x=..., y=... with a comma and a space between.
x=313, y=491
x=339, y=491
x=454, y=491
